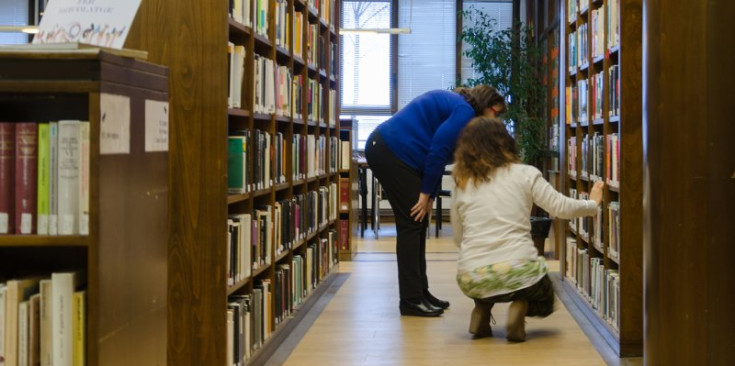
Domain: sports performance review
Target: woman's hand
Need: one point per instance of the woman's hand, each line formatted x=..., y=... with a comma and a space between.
x=422, y=207
x=596, y=193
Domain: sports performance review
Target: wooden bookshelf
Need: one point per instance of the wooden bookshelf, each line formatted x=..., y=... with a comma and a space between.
x=612, y=119
x=125, y=253
x=348, y=202
x=193, y=42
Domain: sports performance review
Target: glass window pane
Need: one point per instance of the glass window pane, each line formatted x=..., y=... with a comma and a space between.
x=365, y=126
x=15, y=13
x=426, y=56
x=501, y=10
x=365, y=57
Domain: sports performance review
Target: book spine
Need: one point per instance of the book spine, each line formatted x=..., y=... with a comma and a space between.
x=68, y=177
x=53, y=186
x=26, y=174
x=84, y=156
x=46, y=323
x=78, y=326
x=42, y=207
x=7, y=160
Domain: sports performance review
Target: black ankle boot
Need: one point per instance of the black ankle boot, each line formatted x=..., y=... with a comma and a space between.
x=418, y=307
x=441, y=304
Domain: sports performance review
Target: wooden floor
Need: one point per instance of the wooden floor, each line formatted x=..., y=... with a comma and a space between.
x=359, y=323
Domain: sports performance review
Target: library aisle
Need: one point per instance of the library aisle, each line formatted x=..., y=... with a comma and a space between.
x=360, y=323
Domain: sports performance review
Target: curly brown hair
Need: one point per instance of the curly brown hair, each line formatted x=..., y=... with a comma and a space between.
x=483, y=146
x=481, y=97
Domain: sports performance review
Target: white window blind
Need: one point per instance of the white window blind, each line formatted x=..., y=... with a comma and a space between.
x=501, y=10
x=14, y=13
x=426, y=57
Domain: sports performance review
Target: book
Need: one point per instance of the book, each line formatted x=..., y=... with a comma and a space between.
x=7, y=180
x=68, y=175
x=34, y=327
x=2, y=323
x=53, y=186
x=44, y=169
x=78, y=327
x=26, y=169
x=84, y=156
x=63, y=285
x=23, y=333
x=45, y=323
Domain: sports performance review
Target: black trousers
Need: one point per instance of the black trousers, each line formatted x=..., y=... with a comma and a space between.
x=402, y=184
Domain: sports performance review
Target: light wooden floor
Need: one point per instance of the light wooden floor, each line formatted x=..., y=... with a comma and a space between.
x=361, y=325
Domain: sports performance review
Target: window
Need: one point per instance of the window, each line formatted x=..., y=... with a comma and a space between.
x=426, y=56
x=366, y=58
x=14, y=13
x=501, y=10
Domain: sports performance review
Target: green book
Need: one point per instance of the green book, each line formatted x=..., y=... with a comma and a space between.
x=44, y=172
x=235, y=181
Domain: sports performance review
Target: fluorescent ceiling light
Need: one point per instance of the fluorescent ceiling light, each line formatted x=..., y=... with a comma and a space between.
x=376, y=30
x=30, y=29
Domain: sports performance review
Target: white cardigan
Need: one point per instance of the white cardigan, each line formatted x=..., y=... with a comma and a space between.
x=491, y=222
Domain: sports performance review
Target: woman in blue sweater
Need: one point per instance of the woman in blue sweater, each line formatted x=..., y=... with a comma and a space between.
x=407, y=154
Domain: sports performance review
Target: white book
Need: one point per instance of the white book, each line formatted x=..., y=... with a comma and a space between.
x=231, y=64
x=68, y=174
x=84, y=156
x=63, y=285
x=23, y=333
x=53, y=194
x=229, y=361
x=238, y=71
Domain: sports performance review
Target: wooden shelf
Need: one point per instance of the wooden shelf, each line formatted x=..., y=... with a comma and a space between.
x=263, y=42
x=262, y=116
x=598, y=122
x=44, y=241
x=237, y=112
x=238, y=29
x=237, y=197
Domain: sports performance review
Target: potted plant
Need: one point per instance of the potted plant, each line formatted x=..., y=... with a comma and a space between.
x=510, y=60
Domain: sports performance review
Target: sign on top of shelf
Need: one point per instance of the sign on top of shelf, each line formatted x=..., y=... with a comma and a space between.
x=104, y=23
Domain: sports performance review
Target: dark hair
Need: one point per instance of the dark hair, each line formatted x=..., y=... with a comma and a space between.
x=481, y=97
x=483, y=146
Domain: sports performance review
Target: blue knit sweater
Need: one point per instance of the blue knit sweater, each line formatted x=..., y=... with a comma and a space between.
x=424, y=134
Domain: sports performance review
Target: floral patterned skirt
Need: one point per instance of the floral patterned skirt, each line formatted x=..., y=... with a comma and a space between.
x=511, y=281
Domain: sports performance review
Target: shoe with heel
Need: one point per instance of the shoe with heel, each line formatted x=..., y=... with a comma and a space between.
x=437, y=303
x=517, y=321
x=480, y=319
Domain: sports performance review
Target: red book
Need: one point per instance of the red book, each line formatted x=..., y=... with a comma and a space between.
x=344, y=227
x=7, y=162
x=344, y=193
x=26, y=169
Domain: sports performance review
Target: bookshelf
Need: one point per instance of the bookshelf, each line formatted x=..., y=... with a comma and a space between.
x=348, y=191
x=239, y=72
x=124, y=254
x=602, y=261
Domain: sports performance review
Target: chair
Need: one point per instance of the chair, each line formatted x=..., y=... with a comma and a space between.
x=438, y=211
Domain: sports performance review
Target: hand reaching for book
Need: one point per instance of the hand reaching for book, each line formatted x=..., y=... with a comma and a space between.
x=596, y=193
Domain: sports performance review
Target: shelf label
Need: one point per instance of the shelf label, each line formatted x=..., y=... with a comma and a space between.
x=114, y=124
x=156, y=125
x=103, y=23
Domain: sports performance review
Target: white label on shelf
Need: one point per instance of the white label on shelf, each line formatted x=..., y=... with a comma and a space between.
x=103, y=23
x=42, y=224
x=114, y=124
x=53, y=224
x=67, y=225
x=3, y=223
x=84, y=224
x=156, y=125
x=26, y=223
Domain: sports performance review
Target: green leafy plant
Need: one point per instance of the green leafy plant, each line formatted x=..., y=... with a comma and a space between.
x=509, y=60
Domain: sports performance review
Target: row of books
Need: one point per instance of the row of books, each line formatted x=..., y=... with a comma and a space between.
x=240, y=11
x=283, y=24
x=44, y=178
x=261, y=17
x=277, y=228
x=597, y=40
x=252, y=318
x=605, y=21
x=576, y=101
x=575, y=7
x=236, y=65
x=598, y=285
x=42, y=320
x=599, y=157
